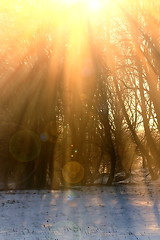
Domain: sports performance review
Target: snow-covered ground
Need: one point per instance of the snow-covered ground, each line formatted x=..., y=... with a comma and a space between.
x=90, y=213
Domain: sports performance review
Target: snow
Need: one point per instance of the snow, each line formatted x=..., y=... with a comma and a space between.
x=90, y=213
x=136, y=176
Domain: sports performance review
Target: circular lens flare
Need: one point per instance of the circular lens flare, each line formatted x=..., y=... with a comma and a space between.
x=25, y=146
x=73, y=172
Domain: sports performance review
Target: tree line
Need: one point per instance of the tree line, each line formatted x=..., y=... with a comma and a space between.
x=72, y=108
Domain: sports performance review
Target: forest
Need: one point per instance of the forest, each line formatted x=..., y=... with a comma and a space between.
x=80, y=92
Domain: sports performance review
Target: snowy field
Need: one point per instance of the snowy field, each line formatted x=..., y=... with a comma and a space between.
x=97, y=213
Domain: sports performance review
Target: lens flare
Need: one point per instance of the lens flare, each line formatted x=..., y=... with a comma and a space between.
x=50, y=132
x=73, y=172
x=25, y=146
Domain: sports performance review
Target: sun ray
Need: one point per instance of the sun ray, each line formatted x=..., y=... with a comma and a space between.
x=50, y=43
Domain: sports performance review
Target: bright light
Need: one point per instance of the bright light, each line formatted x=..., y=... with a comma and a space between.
x=94, y=5
x=70, y=2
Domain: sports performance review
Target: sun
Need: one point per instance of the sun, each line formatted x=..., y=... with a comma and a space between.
x=89, y=5
x=69, y=2
x=94, y=5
